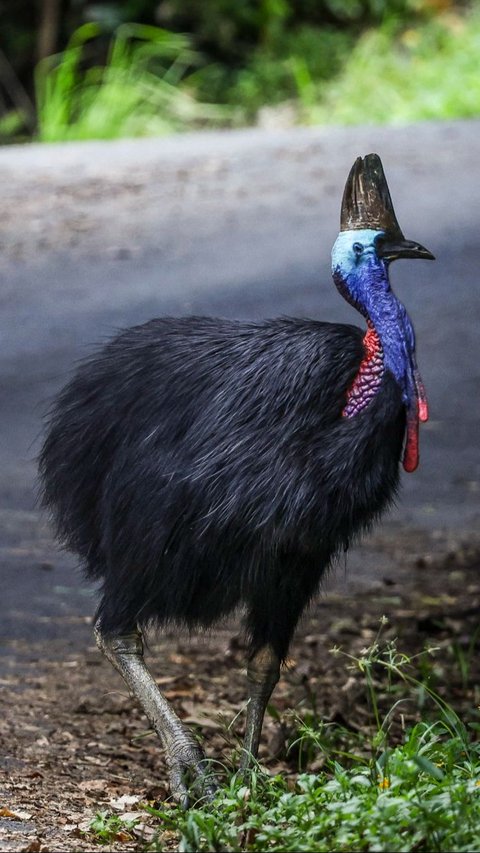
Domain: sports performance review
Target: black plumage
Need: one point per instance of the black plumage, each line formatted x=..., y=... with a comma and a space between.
x=198, y=463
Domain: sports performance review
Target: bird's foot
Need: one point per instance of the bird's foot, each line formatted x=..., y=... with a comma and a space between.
x=191, y=777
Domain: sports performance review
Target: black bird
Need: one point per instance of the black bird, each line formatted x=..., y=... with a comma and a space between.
x=196, y=464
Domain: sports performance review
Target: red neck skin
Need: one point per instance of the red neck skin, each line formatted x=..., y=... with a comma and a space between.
x=367, y=383
x=418, y=412
x=369, y=377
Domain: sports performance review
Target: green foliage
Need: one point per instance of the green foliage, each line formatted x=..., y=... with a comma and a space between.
x=264, y=53
x=420, y=795
x=231, y=31
x=395, y=77
x=11, y=124
x=276, y=72
x=426, y=798
x=135, y=93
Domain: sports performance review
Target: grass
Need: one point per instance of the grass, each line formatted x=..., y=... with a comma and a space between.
x=384, y=787
x=137, y=91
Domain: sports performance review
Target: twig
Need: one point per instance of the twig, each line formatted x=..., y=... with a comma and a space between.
x=48, y=28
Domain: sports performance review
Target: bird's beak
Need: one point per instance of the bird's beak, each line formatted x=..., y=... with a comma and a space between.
x=393, y=249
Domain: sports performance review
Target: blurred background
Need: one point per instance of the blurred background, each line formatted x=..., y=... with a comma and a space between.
x=73, y=69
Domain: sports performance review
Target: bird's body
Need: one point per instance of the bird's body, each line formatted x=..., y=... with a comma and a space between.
x=204, y=463
x=198, y=464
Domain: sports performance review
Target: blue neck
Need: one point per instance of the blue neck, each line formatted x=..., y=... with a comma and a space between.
x=365, y=284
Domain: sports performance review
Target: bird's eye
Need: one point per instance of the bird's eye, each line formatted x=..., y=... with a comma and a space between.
x=357, y=248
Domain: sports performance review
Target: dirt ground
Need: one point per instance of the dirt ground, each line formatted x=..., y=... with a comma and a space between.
x=73, y=742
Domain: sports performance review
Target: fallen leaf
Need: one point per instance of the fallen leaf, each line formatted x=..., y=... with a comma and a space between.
x=121, y=803
x=34, y=846
x=177, y=694
x=16, y=815
x=93, y=785
x=144, y=832
x=123, y=837
x=180, y=660
x=131, y=815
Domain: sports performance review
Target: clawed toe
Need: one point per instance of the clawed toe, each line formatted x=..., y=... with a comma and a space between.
x=192, y=780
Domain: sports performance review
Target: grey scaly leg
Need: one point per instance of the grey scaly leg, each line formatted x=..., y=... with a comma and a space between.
x=263, y=673
x=185, y=758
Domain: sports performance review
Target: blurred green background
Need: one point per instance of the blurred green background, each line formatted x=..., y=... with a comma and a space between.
x=72, y=69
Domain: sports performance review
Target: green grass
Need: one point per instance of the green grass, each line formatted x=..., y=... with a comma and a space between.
x=375, y=792
x=136, y=93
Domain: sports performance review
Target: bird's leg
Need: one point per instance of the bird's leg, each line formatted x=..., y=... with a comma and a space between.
x=263, y=673
x=185, y=758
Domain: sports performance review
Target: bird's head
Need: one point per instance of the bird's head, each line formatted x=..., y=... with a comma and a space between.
x=370, y=237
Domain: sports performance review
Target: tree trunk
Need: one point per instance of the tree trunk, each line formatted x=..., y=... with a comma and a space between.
x=48, y=28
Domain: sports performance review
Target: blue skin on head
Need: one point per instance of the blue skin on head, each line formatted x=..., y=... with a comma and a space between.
x=362, y=278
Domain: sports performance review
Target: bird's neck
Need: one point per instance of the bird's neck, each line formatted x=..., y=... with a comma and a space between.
x=389, y=344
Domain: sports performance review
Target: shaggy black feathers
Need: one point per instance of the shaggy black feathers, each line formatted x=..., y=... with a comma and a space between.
x=195, y=464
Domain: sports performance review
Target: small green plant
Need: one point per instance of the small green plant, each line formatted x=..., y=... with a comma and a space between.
x=314, y=738
x=111, y=827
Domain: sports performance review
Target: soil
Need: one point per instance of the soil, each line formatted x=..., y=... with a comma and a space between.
x=73, y=742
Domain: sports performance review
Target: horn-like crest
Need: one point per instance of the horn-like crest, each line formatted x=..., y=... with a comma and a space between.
x=366, y=199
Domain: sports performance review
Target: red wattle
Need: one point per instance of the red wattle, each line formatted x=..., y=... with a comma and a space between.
x=423, y=410
x=369, y=377
x=421, y=397
x=410, y=453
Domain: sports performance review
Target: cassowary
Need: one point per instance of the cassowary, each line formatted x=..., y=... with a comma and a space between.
x=198, y=464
